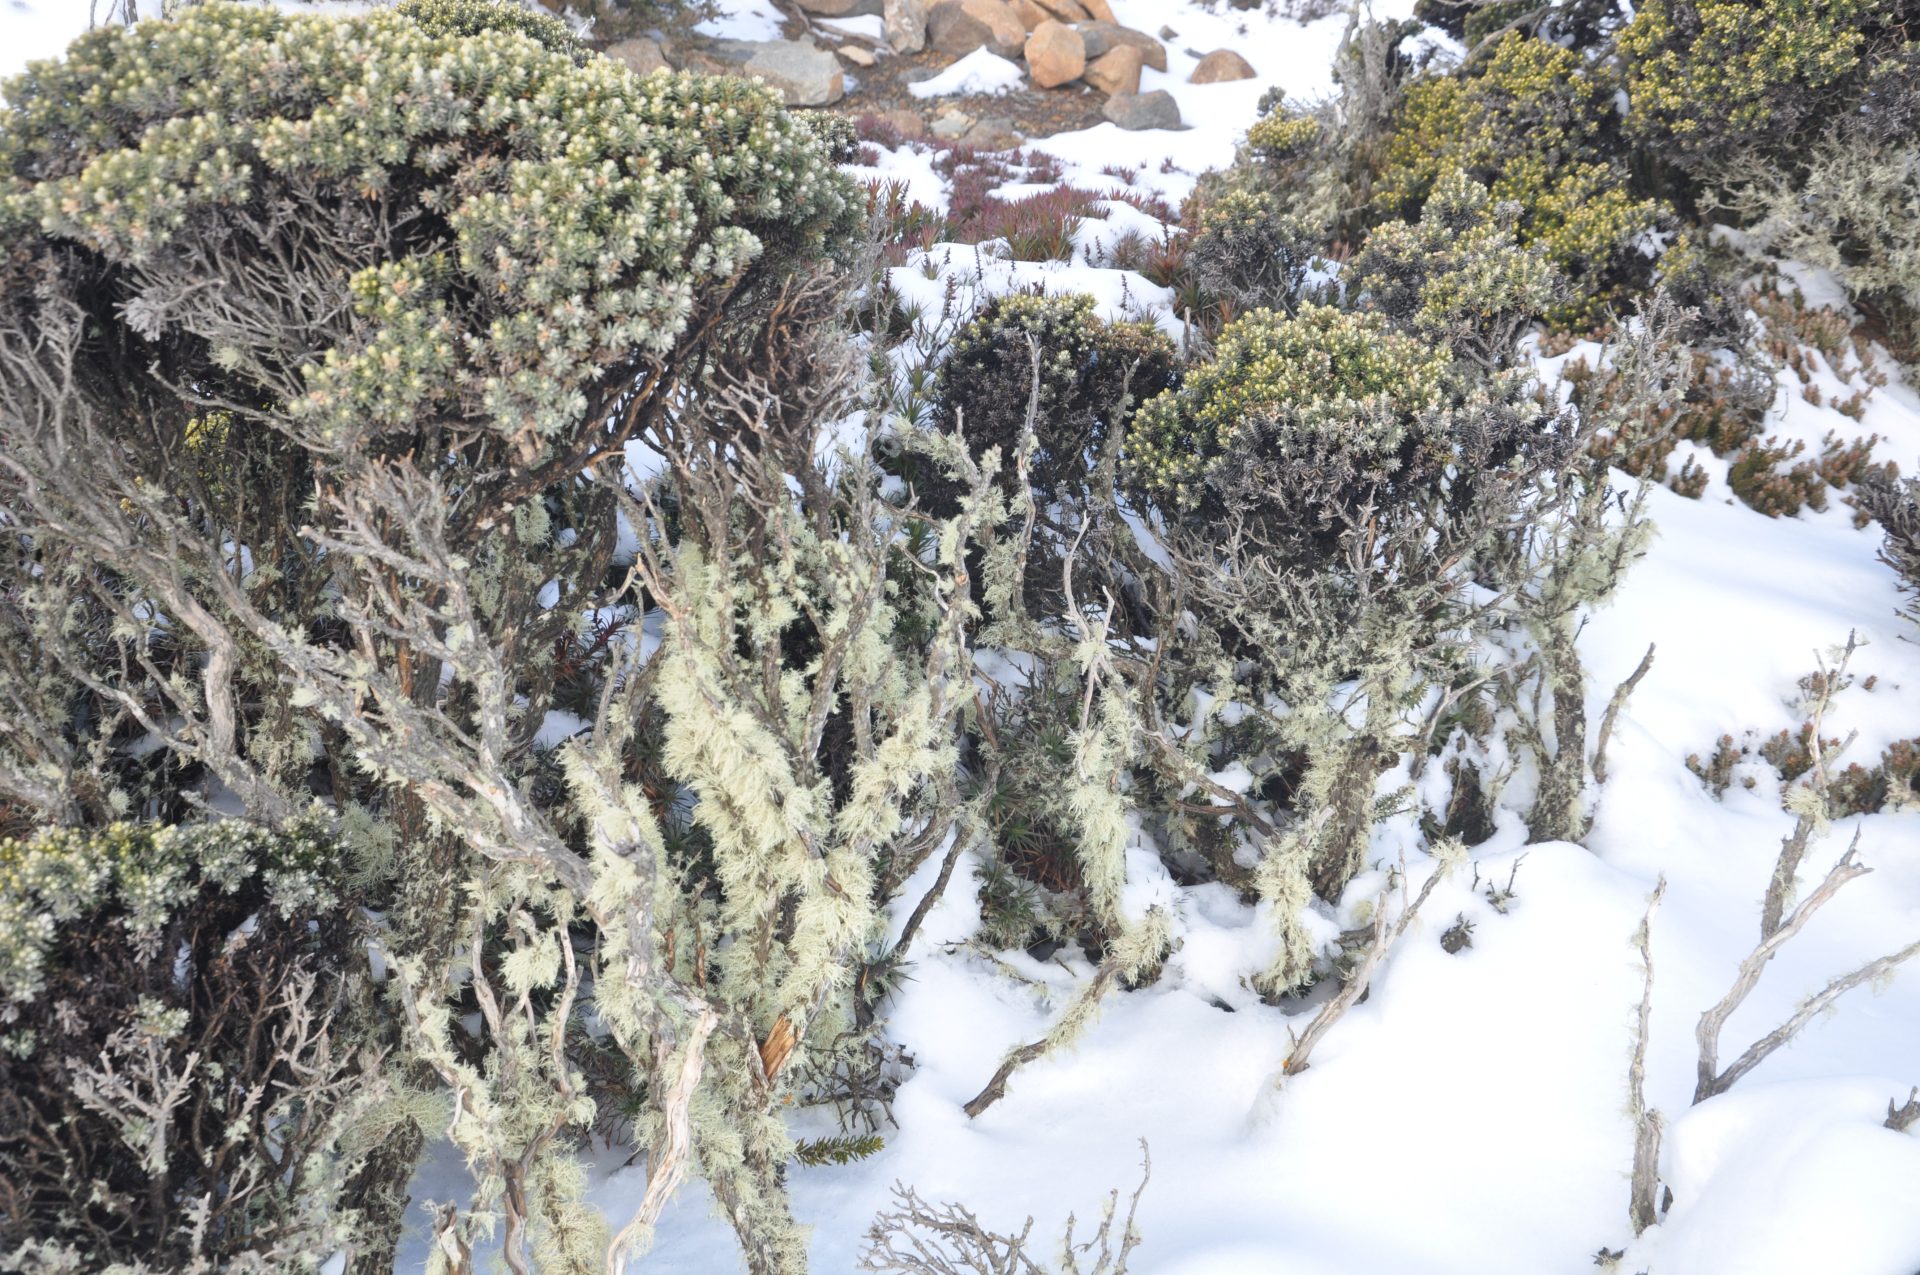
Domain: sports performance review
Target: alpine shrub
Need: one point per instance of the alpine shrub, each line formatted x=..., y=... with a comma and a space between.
x=1456, y=278
x=1053, y=358
x=1325, y=387
x=1534, y=123
x=186, y=1051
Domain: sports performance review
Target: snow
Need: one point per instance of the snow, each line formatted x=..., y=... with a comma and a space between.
x=981, y=71
x=1471, y=1116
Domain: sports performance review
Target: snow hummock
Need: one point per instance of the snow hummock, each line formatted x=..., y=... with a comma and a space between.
x=981, y=71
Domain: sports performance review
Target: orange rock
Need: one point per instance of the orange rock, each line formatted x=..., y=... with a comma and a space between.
x=958, y=27
x=1031, y=14
x=1065, y=10
x=1099, y=10
x=1055, y=54
x=1116, y=71
x=1220, y=66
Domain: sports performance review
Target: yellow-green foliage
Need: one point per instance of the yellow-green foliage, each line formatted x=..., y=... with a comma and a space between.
x=1456, y=277
x=1707, y=76
x=1281, y=136
x=567, y=217
x=472, y=17
x=1531, y=122
x=141, y=873
x=1336, y=383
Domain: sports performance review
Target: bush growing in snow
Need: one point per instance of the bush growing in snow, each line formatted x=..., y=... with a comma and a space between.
x=1325, y=391
x=1534, y=123
x=1457, y=279
x=188, y=1072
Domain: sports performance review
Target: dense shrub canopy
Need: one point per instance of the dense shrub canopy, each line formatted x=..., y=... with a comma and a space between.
x=464, y=228
x=1329, y=382
x=1533, y=123
x=1087, y=373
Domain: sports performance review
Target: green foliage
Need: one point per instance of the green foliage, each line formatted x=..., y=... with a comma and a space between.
x=1533, y=122
x=1712, y=78
x=1053, y=356
x=1326, y=384
x=1249, y=250
x=1456, y=279
x=562, y=229
x=138, y=875
x=846, y=1149
x=473, y=17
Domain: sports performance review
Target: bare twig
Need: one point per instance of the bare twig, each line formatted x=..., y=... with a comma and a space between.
x=1812, y=815
x=1902, y=1118
x=1642, y=1207
x=1711, y=1080
x=1614, y=705
x=1384, y=937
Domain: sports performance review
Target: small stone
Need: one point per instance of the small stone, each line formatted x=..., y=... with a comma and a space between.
x=958, y=27
x=1220, y=66
x=952, y=125
x=1055, y=55
x=906, y=24
x=1101, y=37
x=857, y=55
x=641, y=56
x=1099, y=10
x=1137, y=111
x=1116, y=72
x=828, y=8
x=906, y=123
x=1031, y=14
x=1168, y=33
x=994, y=133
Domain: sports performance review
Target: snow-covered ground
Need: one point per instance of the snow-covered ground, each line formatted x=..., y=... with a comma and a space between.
x=1472, y=1115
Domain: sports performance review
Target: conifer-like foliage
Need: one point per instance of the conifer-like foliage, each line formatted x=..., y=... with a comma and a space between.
x=353, y=321
x=187, y=1020
x=1325, y=386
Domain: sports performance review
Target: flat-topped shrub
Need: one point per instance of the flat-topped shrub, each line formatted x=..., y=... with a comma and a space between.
x=424, y=216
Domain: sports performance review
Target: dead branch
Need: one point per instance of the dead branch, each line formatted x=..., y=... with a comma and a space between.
x=1643, y=1208
x=1383, y=940
x=1614, y=705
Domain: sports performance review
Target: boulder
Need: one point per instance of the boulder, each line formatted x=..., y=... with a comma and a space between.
x=1136, y=111
x=1031, y=14
x=958, y=27
x=1116, y=72
x=1065, y=10
x=641, y=56
x=802, y=74
x=1102, y=37
x=1056, y=55
x=1220, y=66
x=906, y=25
